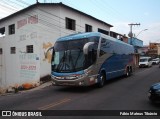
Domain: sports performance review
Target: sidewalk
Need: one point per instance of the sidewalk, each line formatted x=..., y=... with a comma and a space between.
x=43, y=85
x=46, y=84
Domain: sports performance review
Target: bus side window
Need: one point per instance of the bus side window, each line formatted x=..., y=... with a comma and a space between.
x=102, y=48
x=103, y=41
x=92, y=55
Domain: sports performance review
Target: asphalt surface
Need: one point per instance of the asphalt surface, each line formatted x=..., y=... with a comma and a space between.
x=118, y=94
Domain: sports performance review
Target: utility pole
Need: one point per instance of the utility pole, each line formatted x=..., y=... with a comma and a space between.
x=130, y=33
x=131, y=42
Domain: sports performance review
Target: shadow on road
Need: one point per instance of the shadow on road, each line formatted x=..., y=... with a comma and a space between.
x=76, y=89
x=85, y=89
x=157, y=105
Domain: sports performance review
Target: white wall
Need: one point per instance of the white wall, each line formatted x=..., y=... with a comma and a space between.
x=21, y=67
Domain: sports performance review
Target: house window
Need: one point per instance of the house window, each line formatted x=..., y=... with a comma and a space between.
x=11, y=29
x=13, y=50
x=29, y=48
x=88, y=28
x=103, y=31
x=2, y=31
x=70, y=24
x=1, y=51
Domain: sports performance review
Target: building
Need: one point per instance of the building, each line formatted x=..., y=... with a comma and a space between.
x=143, y=50
x=154, y=50
x=137, y=43
x=119, y=36
x=27, y=34
x=158, y=50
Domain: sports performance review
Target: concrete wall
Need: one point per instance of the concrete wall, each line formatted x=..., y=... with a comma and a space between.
x=21, y=67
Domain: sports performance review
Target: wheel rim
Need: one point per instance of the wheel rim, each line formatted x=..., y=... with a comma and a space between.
x=102, y=80
x=127, y=73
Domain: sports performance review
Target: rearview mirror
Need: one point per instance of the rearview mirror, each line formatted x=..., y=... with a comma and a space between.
x=86, y=47
x=48, y=51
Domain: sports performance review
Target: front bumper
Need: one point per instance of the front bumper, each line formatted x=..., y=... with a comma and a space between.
x=83, y=80
x=154, y=96
x=143, y=65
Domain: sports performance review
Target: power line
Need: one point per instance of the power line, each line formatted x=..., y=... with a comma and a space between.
x=23, y=2
x=115, y=11
x=43, y=20
x=50, y=25
x=15, y=3
x=8, y=4
x=7, y=8
x=103, y=9
x=48, y=13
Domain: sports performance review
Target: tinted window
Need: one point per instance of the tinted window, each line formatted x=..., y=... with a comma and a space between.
x=70, y=24
x=88, y=28
x=29, y=48
x=11, y=29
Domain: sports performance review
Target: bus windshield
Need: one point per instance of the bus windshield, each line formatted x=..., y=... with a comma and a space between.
x=68, y=55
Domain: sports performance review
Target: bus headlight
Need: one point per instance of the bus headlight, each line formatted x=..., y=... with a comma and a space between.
x=81, y=83
x=92, y=79
x=80, y=76
x=87, y=72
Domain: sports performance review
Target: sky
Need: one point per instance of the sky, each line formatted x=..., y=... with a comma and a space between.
x=118, y=13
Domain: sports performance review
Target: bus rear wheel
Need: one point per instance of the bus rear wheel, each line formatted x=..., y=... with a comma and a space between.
x=128, y=71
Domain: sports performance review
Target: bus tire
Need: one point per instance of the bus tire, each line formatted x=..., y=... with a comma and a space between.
x=102, y=80
x=127, y=72
x=130, y=70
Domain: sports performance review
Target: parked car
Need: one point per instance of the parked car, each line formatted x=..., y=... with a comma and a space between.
x=154, y=93
x=155, y=61
x=145, y=62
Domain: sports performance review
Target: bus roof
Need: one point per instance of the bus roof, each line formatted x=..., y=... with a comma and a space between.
x=90, y=34
x=79, y=36
x=114, y=39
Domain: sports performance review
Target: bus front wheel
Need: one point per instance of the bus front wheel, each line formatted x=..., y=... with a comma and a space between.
x=101, y=80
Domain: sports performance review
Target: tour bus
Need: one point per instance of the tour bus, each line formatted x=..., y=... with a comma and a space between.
x=90, y=58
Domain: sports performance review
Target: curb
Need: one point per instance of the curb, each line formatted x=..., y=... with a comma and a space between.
x=43, y=85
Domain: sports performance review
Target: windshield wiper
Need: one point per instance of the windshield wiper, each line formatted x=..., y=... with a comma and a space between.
x=77, y=57
x=71, y=59
x=61, y=62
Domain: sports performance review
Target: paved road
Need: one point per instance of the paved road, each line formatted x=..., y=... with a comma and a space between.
x=119, y=94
